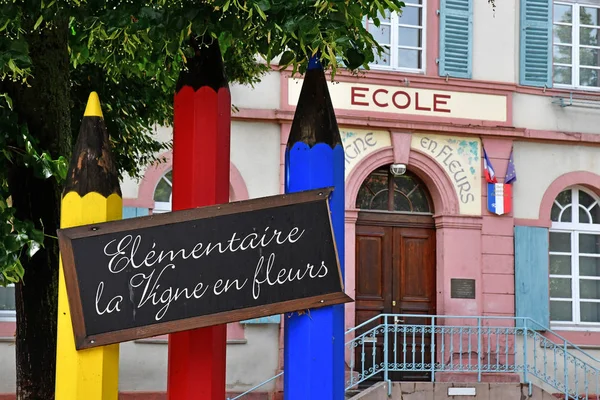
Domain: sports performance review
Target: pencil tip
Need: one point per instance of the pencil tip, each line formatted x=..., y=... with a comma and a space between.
x=93, y=108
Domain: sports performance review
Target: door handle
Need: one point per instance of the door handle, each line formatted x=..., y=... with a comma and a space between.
x=397, y=320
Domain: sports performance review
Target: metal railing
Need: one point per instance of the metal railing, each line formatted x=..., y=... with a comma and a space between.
x=394, y=346
x=391, y=345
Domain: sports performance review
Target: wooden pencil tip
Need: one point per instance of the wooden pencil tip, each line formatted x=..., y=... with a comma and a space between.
x=93, y=108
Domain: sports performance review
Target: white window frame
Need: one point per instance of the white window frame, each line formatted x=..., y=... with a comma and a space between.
x=575, y=46
x=8, y=315
x=575, y=228
x=394, y=24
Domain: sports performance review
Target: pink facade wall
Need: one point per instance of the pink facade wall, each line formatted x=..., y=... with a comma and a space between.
x=497, y=239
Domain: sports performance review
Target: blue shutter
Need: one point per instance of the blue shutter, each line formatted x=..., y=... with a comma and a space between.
x=456, y=38
x=133, y=212
x=535, y=57
x=532, y=298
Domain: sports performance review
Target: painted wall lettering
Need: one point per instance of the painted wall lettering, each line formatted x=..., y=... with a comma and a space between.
x=400, y=99
x=360, y=143
x=461, y=160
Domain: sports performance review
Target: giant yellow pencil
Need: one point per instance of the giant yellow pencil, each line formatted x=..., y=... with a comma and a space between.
x=92, y=194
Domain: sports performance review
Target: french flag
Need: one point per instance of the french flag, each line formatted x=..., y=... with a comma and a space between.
x=499, y=194
x=499, y=198
x=488, y=170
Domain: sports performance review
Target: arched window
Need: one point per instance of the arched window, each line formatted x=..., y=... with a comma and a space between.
x=162, y=194
x=384, y=192
x=575, y=258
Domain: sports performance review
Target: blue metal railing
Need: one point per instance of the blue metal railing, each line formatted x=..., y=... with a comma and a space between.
x=406, y=344
x=390, y=344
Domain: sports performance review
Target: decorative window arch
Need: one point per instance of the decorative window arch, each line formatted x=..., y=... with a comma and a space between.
x=575, y=258
x=382, y=191
x=163, y=194
x=154, y=178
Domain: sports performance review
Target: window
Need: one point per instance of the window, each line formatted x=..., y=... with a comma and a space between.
x=575, y=258
x=576, y=50
x=7, y=303
x=162, y=194
x=384, y=192
x=403, y=36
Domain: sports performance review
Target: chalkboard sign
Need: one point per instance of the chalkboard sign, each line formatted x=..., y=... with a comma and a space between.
x=206, y=266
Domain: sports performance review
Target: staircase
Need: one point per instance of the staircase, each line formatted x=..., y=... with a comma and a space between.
x=475, y=349
x=442, y=348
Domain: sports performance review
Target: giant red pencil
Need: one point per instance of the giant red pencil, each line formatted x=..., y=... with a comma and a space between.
x=201, y=136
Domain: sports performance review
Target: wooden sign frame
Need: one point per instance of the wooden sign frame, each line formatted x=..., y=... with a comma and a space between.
x=84, y=340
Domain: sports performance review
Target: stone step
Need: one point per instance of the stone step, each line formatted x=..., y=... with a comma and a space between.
x=472, y=377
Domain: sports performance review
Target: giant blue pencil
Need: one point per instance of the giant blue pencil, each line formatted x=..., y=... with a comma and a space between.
x=314, y=341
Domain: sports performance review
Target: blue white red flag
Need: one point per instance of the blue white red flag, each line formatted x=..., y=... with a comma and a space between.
x=511, y=174
x=488, y=170
x=499, y=198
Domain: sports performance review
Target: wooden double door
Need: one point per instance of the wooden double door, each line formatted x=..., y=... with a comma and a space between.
x=395, y=274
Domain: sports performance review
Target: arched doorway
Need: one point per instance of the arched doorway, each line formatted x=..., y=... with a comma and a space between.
x=395, y=260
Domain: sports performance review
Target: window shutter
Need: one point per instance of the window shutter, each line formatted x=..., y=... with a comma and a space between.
x=535, y=55
x=456, y=38
x=532, y=298
x=133, y=212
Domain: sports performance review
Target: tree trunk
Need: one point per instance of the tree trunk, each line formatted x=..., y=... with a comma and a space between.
x=45, y=108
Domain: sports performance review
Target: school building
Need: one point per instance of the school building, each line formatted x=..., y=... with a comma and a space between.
x=522, y=259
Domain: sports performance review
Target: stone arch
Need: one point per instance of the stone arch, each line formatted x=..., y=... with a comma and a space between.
x=237, y=186
x=589, y=180
x=443, y=195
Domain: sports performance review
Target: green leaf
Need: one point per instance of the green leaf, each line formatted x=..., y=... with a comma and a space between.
x=38, y=22
x=32, y=248
x=61, y=166
x=355, y=58
x=286, y=58
x=8, y=100
x=36, y=235
x=10, y=243
x=260, y=12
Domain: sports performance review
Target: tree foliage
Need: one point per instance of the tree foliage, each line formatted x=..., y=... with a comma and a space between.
x=131, y=53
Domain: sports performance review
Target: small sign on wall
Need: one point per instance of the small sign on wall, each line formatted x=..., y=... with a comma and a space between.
x=171, y=272
x=462, y=288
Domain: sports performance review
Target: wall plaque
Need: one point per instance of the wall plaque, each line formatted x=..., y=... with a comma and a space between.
x=462, y=288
